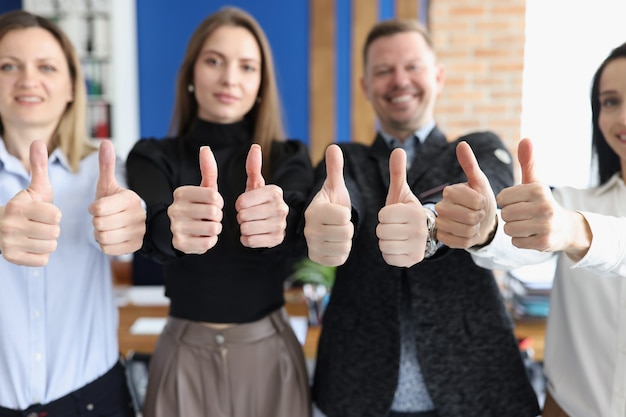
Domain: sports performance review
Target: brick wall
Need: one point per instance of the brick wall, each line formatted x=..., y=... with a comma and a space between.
x=481, y=44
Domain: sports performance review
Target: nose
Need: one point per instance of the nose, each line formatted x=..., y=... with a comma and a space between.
x=27, y=76
x=230, y=74
x=401, y=77
x=622, y=113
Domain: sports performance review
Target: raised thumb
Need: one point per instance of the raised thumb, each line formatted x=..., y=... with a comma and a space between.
x=40, y=188
x=335, y=185
x=253, y=168
x=107, y=184
x=208, y=168
x=526, y=161
x=476, y=179
x=397, y=176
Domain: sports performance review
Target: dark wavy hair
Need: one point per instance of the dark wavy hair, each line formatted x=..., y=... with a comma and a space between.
x=608, y=162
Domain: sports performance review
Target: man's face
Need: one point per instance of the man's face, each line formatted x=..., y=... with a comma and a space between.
x=402, y=81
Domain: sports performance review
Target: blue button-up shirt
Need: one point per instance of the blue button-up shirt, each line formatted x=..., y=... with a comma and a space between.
x=411, y=393
x=409, y=145
x=58, y=323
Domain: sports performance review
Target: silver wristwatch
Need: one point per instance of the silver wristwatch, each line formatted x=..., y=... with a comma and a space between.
x=432, y=244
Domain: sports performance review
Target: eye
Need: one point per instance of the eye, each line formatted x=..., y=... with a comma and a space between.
x=213, y=62
x=609, y=102
x=249, y=68
x=47, y=68
x=8, y=67
x=382, y=71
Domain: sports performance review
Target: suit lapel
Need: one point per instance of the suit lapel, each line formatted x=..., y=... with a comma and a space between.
x=424, y=160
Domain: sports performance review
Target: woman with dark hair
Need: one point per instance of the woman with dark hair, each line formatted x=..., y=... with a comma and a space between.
x=585, y=355
x=225, y=237
x=62, y=214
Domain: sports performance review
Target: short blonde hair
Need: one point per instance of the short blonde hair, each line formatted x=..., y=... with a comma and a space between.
x=393, y=27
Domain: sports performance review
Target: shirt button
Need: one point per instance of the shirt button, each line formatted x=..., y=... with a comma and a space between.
x=90, y=407
x=37, y=313
x=33, y=414
x=219, y=339
x=38, y=356
x=36, y=273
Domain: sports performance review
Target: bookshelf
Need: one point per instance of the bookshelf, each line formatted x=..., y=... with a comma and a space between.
x=104, y=35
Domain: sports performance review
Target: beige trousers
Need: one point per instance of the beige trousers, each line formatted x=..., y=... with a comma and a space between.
x=249, y=370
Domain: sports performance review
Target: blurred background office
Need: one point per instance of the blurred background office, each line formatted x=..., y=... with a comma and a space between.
x=518, y=67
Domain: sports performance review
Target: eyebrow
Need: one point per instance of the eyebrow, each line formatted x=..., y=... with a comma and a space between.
x=221, y=55
x=43, y=58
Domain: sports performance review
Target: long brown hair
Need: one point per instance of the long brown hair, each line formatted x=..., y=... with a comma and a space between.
x=71, y=132
x=265, y=114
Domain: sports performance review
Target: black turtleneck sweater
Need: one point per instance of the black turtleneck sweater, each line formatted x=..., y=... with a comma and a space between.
x=230, y=283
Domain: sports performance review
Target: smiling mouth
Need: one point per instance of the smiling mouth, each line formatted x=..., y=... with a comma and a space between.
x=401, y=99
x=29, y=99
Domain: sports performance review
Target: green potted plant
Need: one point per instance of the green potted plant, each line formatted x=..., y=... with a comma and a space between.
x=316, y=281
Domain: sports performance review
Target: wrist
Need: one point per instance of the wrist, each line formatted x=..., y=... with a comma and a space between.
x=490, y=236
x=581, y=237
x=432, y=244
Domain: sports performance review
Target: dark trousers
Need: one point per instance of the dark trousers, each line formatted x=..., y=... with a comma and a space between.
x=412, y=414
x=107, y=396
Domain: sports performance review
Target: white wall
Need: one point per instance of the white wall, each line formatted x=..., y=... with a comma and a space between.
x=125, y=69
x=565, y=43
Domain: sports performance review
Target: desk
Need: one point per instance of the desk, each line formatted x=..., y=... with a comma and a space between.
x=145, y=343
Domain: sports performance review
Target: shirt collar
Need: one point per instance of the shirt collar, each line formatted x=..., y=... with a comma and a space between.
x=421, y=134
x=613, y=182
x=11, y=163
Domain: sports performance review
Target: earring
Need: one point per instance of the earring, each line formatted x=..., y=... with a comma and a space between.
x=190, y=88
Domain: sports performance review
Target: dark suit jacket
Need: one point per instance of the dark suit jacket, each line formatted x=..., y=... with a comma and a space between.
x=466, y=349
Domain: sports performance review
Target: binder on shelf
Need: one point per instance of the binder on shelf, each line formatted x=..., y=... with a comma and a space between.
x=99, y=119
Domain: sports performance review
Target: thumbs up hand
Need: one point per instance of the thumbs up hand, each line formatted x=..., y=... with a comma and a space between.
x=328, y=229
x=401, y=230
x=30, y=223
x=119, y=219
x=534, y=219
x=261, y=210
x=196, y=213
x=467, y=211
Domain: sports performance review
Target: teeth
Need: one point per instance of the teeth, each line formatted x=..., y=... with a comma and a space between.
x=30, y=99
x=401, y=99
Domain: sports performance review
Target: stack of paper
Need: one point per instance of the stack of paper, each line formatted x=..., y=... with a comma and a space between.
x=529, y=289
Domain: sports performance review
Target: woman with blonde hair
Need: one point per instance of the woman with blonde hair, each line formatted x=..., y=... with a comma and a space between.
x=61, y=217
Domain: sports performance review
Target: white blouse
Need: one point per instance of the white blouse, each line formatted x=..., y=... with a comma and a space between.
x=585, y=355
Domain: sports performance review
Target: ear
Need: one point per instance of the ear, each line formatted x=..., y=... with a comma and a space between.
x=440, y=76
x=364, y=87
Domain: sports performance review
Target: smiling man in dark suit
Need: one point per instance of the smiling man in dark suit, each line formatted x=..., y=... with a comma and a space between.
x=413, y=328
